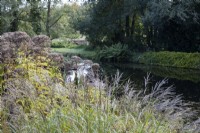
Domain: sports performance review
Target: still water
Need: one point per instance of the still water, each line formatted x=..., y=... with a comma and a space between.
x=185, y=81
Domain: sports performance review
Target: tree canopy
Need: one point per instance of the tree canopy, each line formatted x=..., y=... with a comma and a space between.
x=144, y=24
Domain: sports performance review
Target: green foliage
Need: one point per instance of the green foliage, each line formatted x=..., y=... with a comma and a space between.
x=173, y=25
x=172, y=59
x=28, y=84
x=35, y=15
x=62, y=43
x=26, y=27
x=114, y=53
x=31, y=16
x=64, y=26
x=144, y=25
x=9, y=15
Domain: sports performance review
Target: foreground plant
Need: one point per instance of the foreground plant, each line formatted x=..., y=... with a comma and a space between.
x=37, y=100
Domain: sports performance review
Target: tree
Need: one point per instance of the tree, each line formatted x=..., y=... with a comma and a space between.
x=35, y=15
x=51, y=21
x=171, y=23
x=10, y=14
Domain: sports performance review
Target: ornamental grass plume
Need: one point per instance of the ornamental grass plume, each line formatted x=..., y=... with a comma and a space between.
x=62, y=108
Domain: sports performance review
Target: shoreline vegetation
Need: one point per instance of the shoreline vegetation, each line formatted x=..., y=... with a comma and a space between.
x=163, y=58
x=171, y=59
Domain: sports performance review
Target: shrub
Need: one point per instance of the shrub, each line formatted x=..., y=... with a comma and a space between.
x=115, y=53
x=62, y=43
x=27, y=90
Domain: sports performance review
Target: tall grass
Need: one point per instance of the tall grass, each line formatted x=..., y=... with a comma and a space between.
x=92, y=110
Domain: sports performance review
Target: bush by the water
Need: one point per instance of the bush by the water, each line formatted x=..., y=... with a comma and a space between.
x=172, y=59
x=114, y=53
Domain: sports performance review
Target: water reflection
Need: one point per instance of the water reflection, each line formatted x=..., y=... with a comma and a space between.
x=186, y=81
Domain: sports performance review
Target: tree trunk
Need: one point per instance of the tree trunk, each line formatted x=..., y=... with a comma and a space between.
x=35, y=16
x=0, y=9
x=148, y=37
x=127, y=26
x=15, y=22
x=133, y=26
x=48, y=17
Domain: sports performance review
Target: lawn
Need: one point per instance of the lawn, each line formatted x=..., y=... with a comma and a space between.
x=80, y=51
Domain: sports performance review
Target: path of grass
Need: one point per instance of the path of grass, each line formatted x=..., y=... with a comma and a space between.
x=81, y=51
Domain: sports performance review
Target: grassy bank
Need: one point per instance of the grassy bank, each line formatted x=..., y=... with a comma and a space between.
x=165, y=58
x=171, y=59
x=80, y=51
x=68, y=48
x=121, y=53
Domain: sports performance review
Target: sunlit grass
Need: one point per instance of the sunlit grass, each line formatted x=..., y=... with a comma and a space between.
x=80, y=51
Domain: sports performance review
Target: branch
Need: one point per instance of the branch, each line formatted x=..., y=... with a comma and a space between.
x=55, y=21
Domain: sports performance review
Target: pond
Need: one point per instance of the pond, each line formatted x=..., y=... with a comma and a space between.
x=185, y=81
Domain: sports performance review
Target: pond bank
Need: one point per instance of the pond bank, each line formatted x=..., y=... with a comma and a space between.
x=170, y=59
x=186, y=82
x=164, y=58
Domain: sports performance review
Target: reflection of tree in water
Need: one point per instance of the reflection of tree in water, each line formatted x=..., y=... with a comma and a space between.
x=185, y=81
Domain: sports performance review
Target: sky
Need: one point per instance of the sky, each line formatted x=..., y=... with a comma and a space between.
x=71, y=1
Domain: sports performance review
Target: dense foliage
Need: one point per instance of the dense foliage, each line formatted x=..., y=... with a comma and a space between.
x=114, y=53
x=143, y=24
x=171, y=25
